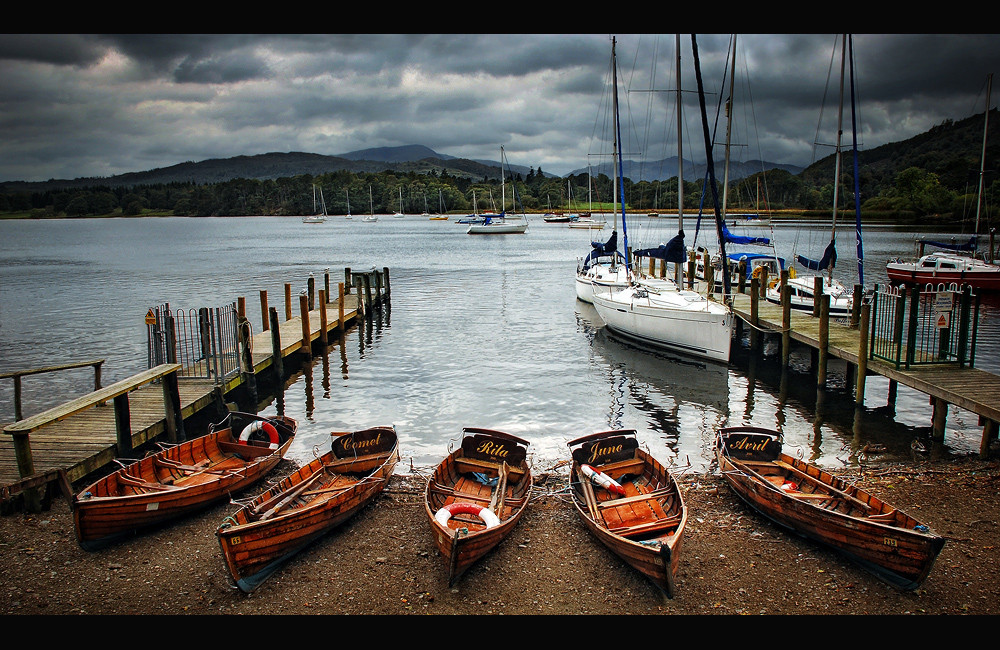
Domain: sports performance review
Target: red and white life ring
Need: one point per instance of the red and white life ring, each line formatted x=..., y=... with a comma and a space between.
x=266, y=427
x=444, y=514
x=603, y=480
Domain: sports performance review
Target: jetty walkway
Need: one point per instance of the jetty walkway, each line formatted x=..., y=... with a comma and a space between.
x=66, y=443
x=955, y=383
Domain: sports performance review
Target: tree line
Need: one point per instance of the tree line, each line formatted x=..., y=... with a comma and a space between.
x=912, y=193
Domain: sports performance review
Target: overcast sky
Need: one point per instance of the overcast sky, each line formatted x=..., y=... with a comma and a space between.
x=98, y=105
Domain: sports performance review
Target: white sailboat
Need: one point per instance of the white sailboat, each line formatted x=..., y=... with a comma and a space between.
x=399, y=215
x=316, y=217
x=660, y=314
x=441, y=213
x=500, y=224
x=371, y=207
x=348, y=202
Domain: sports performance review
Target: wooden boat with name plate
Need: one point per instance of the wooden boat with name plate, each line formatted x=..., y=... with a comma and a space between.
x=183, y=478
x=477, y=495
x=815, y=504
x=630, y=502
x=275, y=525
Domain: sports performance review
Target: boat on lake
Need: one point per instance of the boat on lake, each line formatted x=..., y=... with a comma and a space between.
x=274, y=526
x=476, y=496
x=630, y=503
x=809, y=501
x=181, y=479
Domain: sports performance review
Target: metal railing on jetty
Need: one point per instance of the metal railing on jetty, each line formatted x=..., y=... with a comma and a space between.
x=191, y=368
x=923, y=338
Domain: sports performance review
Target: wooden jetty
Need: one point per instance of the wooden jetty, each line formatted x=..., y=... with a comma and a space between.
x=851, y=339
x=942, y=370
x=66, y=443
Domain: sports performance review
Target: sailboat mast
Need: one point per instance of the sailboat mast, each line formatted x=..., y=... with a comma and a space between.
x=729, y=130
x=982, y=160
x=678, y=274
x=857, y=178
x=619, y=173
x=840, y=134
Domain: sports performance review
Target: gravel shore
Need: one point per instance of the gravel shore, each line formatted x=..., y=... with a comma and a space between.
x=384, y=560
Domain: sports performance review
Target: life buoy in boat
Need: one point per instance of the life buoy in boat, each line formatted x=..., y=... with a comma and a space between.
x=603, y=480
x=444, y=514
x=789, y=486
x=254, y=427
x=757, y=272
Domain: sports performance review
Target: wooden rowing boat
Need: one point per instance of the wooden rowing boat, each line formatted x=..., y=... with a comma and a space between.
x=630, y=502
x=307, y=504
x=477, y=495
x=822, y=507
x=181, y=478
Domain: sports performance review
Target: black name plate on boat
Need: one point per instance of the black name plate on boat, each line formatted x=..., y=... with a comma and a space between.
x=493, y=449
x=377, y=440
x=606, y=450
x=745, y=445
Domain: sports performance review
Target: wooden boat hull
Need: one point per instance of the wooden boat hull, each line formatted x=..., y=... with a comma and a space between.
x=644, y=527
x=882, y=539
x=154, y=490
x=317, y=498
x=465, y=539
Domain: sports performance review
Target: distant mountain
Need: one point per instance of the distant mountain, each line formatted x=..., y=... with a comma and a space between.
x=661, y=170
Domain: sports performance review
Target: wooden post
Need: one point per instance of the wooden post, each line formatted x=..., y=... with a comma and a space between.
x=939, y=419
x=692, y=264
x=357, y=293
x=171, y=330
x=241, y=306
x=824, y=339
x=377, y=277
x=859, y=294
x=277, y=362
x=311, y=287
x=263, y=311
x=288, y=301
x=817, y=293
x=322, y=317
x=742, y=283
x=304, y=314
x=893, y=389
x=385, y=282
x=989, y=430
x=243, y=329
x=754, y=308
x=340, y=306
x=864, y=326
x=786, y=320
x=348, y=281
x=326, y=282
x=367, y=281
x=172, y=409
x=123, y=426
x=763, y=282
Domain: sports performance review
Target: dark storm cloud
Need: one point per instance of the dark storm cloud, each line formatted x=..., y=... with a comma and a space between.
x=81, y=105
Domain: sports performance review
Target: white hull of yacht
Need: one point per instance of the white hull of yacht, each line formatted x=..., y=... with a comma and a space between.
x=497, y=228
x=681, y=321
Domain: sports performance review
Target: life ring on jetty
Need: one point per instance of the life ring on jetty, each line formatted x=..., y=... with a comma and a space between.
x=444, y=514
x=603, y=480
x=254, y=427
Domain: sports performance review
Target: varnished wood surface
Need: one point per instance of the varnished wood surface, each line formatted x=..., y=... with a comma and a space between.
x=86, y=440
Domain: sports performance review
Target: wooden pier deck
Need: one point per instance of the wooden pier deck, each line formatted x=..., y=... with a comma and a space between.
x=968, y=388
x=72, y=440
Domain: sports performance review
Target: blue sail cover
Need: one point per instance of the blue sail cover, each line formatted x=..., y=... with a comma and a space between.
x=969, y=246
x=829, y=259
x=607, y=249
x=672, y=251
x=740, y=239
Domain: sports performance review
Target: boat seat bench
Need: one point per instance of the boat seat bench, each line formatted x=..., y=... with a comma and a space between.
x=465, y=464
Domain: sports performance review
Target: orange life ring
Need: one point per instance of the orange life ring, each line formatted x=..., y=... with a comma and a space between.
x=488, y=516
x=266, y=427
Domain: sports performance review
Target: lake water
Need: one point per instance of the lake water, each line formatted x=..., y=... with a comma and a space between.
x=483, y=331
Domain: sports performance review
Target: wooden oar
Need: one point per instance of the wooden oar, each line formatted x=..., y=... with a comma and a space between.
x=296, y=491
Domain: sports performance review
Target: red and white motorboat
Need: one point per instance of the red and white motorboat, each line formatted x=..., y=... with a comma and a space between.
x=945, y=268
